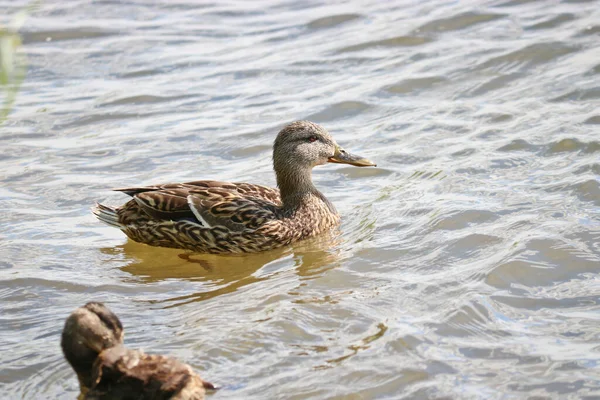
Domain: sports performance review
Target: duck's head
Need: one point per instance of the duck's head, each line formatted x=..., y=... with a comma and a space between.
x=304, y=145
x=88, y=331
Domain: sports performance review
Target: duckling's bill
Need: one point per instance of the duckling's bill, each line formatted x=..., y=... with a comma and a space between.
x=341, y=156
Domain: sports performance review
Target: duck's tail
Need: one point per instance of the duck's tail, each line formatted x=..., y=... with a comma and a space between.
x=107, y=215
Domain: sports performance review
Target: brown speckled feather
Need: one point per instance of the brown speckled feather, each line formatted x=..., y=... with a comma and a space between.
x=120, y=373
x=217, y=217
x=92, y=343
x=223, y=217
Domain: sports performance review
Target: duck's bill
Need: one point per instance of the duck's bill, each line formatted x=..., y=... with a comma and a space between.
x=343, y=157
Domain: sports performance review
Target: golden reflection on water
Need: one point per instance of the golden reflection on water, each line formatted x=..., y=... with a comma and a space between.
x=224, y=274
x=354, y=349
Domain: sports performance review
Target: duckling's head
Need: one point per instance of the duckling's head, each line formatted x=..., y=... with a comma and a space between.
x=303, y=145
x=88, y=331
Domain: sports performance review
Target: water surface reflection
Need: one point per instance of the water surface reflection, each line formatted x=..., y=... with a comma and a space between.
x=467, y=262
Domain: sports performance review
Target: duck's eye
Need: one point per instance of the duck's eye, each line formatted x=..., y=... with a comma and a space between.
x=312, y=139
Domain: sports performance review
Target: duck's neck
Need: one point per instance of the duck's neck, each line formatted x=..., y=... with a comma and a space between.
x=296, y=188
x=295, y=185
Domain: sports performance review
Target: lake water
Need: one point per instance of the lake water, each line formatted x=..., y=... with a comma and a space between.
x=467, y=262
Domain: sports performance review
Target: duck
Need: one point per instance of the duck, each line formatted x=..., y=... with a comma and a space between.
x=92, y=343
x=217, y=217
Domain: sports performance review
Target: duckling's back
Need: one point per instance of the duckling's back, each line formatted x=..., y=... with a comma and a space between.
x=122, y=374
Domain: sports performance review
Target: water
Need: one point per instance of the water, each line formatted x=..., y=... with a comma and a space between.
x=467, y=262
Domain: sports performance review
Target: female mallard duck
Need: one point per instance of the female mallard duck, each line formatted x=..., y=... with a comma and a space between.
x=222, y=217
x=92, y=342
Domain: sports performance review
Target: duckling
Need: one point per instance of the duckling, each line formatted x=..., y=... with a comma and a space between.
x=225, y=218
x=92, y=342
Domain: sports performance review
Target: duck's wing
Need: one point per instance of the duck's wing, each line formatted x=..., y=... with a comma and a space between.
x=242, y=188
x=235, y=206
x=120, y=373
x=162, y=202
x=230, y=209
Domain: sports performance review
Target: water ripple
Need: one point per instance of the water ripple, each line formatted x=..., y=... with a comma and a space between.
x=466, y=265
